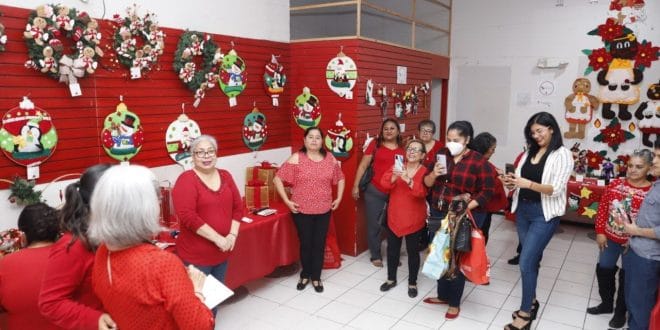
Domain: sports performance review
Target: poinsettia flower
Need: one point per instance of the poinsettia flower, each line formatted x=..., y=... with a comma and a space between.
x=613, y=135
x=610, y=30
x=599, y=59
x=646, y=53
x=594, y=159
x=623, y=159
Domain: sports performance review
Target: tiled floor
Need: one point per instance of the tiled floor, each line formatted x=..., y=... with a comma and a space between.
x=352, y=299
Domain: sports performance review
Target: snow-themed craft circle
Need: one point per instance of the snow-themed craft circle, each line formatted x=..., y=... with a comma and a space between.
x=341, y=75
x=307, y=109
x=27, y=136
x=274, y=79
x=179, y=137
x=255, y=129
x=338, y=139
x=138, y=41
x=197, y=79
x=122, y=135
x=233, y=78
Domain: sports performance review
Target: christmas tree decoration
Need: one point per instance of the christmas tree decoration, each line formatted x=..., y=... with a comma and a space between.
x=45, y=27
x=648, y=114
x=233, y=78
x=138, y=41
x=3, y=37
x=369, y=95
x=28, y=136
x=200, y=79
x=178, y=138
x=307, y=109
x=580, y=106
x=338, y=139
x=341, y=75
x=613, y=135
x=384, y=100
x=22, y=192
x=255, y=129
x=274, y=79
x=122, y=135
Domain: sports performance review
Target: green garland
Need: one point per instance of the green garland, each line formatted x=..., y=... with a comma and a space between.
x=193, y=44
x=125, y=42
x=23, y=193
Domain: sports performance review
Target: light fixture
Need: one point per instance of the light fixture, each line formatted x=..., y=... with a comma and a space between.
x=560, y=3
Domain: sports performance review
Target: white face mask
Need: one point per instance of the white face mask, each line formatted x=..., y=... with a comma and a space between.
x=455, y=148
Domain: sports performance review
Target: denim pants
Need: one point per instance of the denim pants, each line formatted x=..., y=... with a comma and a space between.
x=610, y=255
x=218, y=271
x=374, y=200
x=641, y=288
x=534, y=233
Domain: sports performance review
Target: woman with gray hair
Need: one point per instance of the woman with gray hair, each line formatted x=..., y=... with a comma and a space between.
x=140, y=285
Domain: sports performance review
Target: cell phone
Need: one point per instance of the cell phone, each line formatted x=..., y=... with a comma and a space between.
x=441, y=159
x=509, y=168
x=398, y=163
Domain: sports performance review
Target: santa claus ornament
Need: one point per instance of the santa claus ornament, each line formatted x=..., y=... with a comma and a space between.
x=27, y=136
x=274, y=80
x=580, y=106
x=341, y=75
x=307, y=109
x=255, y=130
x=338, y=139
x=233, y=77
x=648, y=114
x=122, y=135
x=178, y=138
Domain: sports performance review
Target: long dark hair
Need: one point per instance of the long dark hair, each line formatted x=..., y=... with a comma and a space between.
x=464, y=129
x=548, y=120
x=39, y=223
x=399, y=140
x=74, y=216
x=307, y=131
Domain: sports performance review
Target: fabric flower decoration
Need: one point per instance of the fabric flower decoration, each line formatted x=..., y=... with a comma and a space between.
x=610, y=30
x=599, y=59
x=646, y=53
x=594, y=159
x=623, y=159
x=613, y=135
x=619, y=4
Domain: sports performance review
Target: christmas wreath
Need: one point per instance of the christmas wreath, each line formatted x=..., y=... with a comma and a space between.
x=201, y=78
x=131, y=28
x=46, y=25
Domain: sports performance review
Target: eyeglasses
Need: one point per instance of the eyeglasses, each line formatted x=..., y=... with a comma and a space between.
x=426, y=131
x=204, y=153
x=413, y=150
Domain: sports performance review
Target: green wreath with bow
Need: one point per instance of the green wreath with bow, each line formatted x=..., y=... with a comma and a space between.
x=197, y=79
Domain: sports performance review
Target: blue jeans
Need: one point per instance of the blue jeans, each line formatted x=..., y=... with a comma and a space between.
x=610, y=255
x=641, y=288
x=534, y=233
x=218, y=271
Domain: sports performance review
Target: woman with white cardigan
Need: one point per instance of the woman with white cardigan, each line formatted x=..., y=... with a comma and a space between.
x=539, y=200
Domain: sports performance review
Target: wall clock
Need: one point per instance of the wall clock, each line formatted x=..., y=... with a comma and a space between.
x=546, y=87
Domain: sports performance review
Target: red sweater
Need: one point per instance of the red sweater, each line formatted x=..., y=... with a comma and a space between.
x=150, y=289
x=406, y=211
x=498, y=201
x=19, y=272
x=196, y=205
x=66, y=296
x=630, y=197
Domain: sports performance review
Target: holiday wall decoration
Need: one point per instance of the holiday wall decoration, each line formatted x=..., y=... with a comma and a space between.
x=200, y=79
x=628, y=11
x=255, y=130
x=274, y=79
x=397, y=98
x=122, y=135
x=341, y=74
x=648, y=114
x=233, y=78
x=138, y=41
x=369, y=95
x=613, y=135
x=307, y=109
x=46, y=25
x=178, y=138
x=580, y=106
x=384, y=100
x=338, y=139
x=28, y=136
x=3, y=37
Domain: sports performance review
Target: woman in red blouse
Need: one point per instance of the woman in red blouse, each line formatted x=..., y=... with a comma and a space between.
x=311, y=172
x=625, y=194
x=406, y=214
x=426, y=130
x=140, y=285
x=66, y=297
x=209, y=207
x=20, y=271
x=380, y=153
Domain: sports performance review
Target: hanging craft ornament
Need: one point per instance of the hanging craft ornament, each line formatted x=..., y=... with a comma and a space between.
x=369, y=95
x=307, y=109
x=122, y=135
x=3, y=37
x=398, y=104
x=233, y=77
x=138, y=41
x=648, y=114
x=580, y=106
x=613, y=135
x=255, y=129
x=341, y=75
x=274, y=79
x=28, y=136
x=384, y=100
x=178, y=139
x=338, y=139
x=200, y=79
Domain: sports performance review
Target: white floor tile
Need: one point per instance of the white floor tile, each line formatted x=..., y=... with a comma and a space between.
x=276, y=292
x=567, y=300
x=563, y=315
x=358, y=298
x=345, y=278
x=370, y=320
x=425, y=316
x=371, y=285
x=478, y=312
x=391, y=307
x=332, y=290
x=499, y=286
x=576, y=277
x=579, y=267
x=317, y=323
x=488, y=298
x=597, y=322
x=360, y=268
x=463, y=323
x=403, y=325
x=551, y=325
x=308, y=302
x=572, y=288
x=281, y=317
x=256, y=324
x=339, y=312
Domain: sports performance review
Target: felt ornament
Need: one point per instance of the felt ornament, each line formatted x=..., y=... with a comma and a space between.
x=233, y=77
x=594, y=160
x=307, y=109
x=648, y=114
x=369, y=95
x=122, y=135
x=627, y=11
x=573, y=202
x=341, y=74
x=613, y=135
x=274, y=80
x=579, y=159
x=397, y=97
x=138, y=41
x=591, y=210
x=202, y=77
x=384, y=100
x=255, y=129
x=580, y=106
x=46, y=25
x=11, y=240
x=338, y=139
x=3, y=37
x=22, y=192
x=178, y=139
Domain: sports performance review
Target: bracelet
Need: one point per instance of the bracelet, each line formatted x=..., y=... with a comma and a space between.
x=200, y=295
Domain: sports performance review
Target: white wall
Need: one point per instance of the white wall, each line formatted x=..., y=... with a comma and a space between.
x=514, y=34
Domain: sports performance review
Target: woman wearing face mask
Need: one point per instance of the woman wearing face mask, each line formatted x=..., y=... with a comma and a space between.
x=467, y=174
x=539, y=200
x=382, y=150
x=625, y=194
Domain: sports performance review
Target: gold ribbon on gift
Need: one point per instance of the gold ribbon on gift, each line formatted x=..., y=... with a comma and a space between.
x=71, y=70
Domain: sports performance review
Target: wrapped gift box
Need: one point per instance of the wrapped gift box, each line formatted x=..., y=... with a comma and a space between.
x=256, y=195
x=264, y=172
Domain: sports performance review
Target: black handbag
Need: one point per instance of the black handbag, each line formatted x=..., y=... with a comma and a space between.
x=367, y=176
x=463, y=234
x=432, y=226
x=382, y=216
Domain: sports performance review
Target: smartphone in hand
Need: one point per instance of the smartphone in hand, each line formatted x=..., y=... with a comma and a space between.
x=441, y=159
x=509, y=168
x=398, y=163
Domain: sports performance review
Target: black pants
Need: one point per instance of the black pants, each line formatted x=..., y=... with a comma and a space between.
x=312, y=230
x=485, y=228
x=394, y=252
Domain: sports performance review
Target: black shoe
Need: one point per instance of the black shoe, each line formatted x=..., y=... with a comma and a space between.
x=600, y=309
x=525, y=327
x=618, y=321
x=302, y=284
x=514, y=261
x=387, y=286
x=412, y=291
x=318, y=287
x=532, y=313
